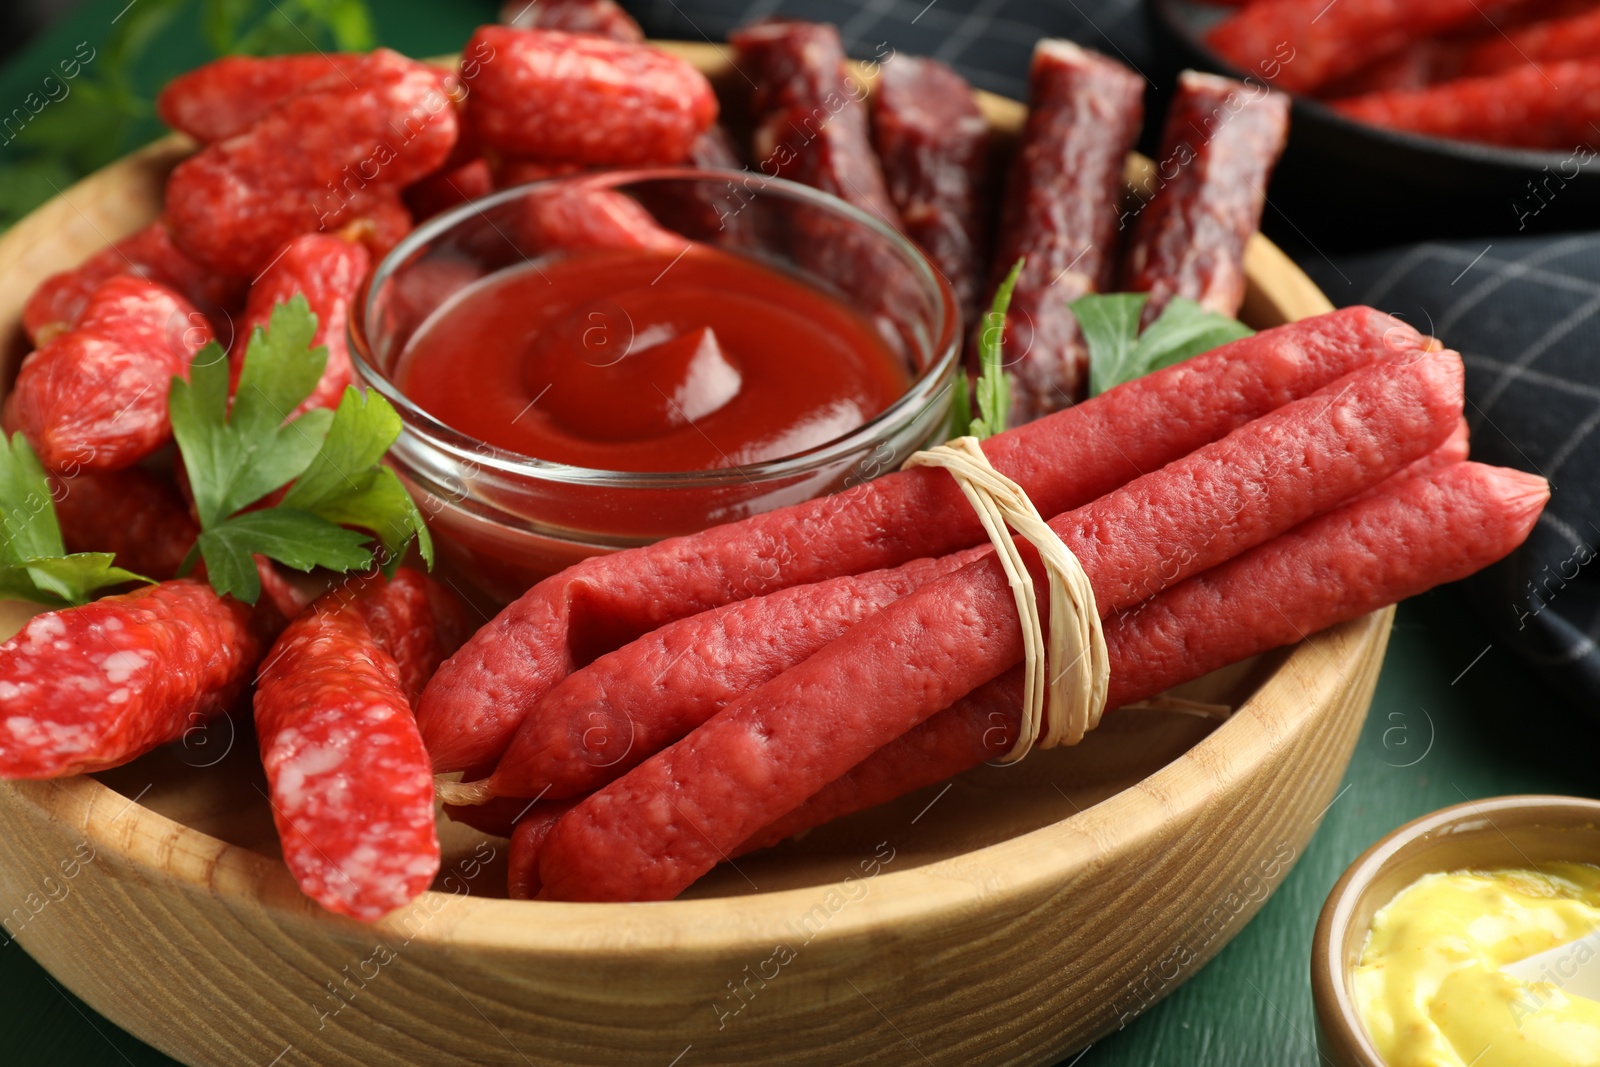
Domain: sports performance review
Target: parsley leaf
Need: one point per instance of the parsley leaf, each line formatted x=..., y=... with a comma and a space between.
x=992, y=389
x=1119, y=353
x=287, y=26
x=1186, y=329
x=235, y=457
x=34, y=564
x=27, y=506
x=372, y=497
x=63, y=580
x=960, y=405
x=1110, y=328
x=298, y=539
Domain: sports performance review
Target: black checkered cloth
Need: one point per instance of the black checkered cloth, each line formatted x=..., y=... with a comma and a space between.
x=1523, y=312
x=989, y=41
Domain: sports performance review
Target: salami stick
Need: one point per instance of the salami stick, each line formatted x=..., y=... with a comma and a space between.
x=613, y=714
x=1532, y=106
x=95, y=397
x=237, y=202
x=1543, y=32
x=570, y=217
x=652, y=832
x=1551, y=41
x=603, y=18
x=526, y=841
x=1308, y=43
x=225, y=97
x=329, y=272
x=92, y=687
x=578, y=98
x=933, y=145
x=59, y=302
x=810, y=125
x=476, y=702
x=1413, y=534
x=602, y=721
x=1221, y=141
x=1061, y=212
x=133, y=514
x=438, y=193
x=352, y=795
x=983, y=725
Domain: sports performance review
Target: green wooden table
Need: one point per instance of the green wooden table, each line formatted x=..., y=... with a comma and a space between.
x=1455, y=718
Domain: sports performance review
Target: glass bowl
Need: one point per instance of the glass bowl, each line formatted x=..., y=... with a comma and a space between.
x=503, y=520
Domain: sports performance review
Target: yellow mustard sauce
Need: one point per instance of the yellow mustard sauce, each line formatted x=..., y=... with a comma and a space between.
x=1429, y=986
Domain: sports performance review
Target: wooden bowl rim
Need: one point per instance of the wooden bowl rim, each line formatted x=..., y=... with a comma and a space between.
x=1027, y=866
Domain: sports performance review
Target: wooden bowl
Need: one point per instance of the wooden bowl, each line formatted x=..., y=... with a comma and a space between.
x=1499, y=832
x=1012, y=916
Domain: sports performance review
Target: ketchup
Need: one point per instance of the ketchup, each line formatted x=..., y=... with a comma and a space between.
x=643, y=360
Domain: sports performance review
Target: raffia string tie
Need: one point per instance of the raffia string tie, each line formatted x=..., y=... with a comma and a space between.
x=462, y=794
x=1065, y=679
x=1064, y=683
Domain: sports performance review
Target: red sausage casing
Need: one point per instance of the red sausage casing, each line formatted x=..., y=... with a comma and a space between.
x=351, y=790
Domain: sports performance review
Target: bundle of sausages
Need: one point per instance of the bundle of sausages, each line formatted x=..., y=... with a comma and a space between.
x=1518, y=72
x=671, y=706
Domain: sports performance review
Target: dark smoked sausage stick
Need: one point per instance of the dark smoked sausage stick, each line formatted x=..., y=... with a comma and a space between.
x=811, y=126
x=933, y=145
x=1061, y=212
x=1221, y=141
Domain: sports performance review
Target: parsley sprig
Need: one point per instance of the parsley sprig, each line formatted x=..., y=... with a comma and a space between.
x=34, y=563
x=1119, y=353
x=237, y=457
x=992, y=389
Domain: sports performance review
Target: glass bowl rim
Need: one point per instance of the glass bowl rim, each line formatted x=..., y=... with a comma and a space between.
x=441, y=437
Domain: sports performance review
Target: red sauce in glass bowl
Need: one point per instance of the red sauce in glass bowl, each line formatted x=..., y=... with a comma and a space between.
x=643, y=360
